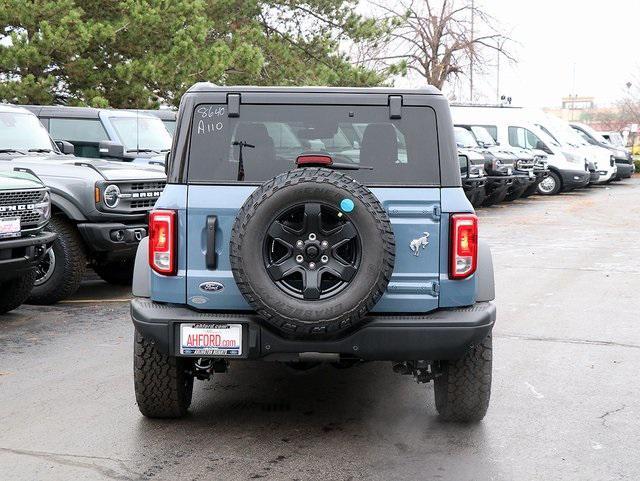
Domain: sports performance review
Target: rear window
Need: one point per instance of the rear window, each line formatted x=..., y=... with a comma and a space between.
x=399, y=151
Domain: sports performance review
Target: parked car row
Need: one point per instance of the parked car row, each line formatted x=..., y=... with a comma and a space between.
x=77, y=183
x=508, y=152
x=61, y=213
x=140, y=136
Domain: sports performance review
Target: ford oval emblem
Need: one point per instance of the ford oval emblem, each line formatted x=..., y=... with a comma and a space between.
x=211, y=286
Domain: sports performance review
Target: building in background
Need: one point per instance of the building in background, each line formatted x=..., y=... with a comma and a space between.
x=585, y=109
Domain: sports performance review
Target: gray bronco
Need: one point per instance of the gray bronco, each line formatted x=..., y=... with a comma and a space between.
x=307, y=225
x=99, y=208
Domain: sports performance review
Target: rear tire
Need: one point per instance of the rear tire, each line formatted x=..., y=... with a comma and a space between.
x=163, y=384
x=62, y=279
x=550, y=185
x=119, y=273
x=463, y=388
x=16, y=291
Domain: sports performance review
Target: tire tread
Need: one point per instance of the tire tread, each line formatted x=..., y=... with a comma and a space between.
x=463, y=389
x=346, y=319
x=74, y=264
x=162, y=383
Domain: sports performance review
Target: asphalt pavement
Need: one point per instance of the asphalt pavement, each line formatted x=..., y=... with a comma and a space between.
x=565, y=402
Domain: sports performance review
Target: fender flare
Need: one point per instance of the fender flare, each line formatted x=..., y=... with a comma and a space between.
x=67, y=207
x=485, y=282
x=141, y=286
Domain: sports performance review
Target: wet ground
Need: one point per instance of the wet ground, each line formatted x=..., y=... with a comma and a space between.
x=565, y=403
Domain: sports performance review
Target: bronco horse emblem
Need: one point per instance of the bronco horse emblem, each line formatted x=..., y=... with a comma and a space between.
x=416, y=244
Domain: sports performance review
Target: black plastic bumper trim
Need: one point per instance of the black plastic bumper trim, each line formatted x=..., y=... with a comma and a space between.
x=24, y=253
x=98, y=236
x=568, y=181
x=441, y=334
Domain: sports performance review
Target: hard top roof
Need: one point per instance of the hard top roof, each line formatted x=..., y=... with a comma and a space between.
x=164, y=114
x=80, y=112
x=210, y=87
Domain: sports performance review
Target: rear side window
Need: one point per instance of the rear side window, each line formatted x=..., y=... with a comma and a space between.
x=271, y=137
x=85, y=130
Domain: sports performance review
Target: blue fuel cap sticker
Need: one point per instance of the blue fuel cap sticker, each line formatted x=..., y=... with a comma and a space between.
x=347, y=205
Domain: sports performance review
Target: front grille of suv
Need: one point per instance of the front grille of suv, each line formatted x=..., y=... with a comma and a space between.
x=22, y=203
x=138, y=197
x=524, y=164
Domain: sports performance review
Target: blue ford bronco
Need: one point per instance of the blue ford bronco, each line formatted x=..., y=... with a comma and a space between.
x=307, y=225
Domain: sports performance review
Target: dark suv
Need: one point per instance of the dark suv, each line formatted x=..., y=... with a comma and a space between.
x=306, y=225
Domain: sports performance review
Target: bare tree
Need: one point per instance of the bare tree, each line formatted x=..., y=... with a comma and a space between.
x=441, y=39
x=628, y=107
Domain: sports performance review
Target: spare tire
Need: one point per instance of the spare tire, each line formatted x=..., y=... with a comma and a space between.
x=312, y=251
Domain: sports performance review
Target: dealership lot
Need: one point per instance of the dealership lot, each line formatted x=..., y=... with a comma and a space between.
x=564, y=406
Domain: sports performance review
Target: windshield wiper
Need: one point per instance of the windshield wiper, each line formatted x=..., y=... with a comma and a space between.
x=143, y=150
x=41, y=150
x=341, y=166
x=241, y=144
x=11, y=151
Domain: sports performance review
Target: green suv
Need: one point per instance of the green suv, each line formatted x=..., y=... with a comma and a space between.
x=25, y=210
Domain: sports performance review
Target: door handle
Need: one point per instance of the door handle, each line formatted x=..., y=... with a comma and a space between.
x=210, y=256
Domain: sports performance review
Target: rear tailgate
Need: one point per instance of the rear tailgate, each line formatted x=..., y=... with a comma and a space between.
x=415, y=218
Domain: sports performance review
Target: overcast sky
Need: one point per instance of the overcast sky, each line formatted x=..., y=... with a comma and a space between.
x=602, y=40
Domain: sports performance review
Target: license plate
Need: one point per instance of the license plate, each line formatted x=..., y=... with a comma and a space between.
x=9, y=227
x=211, y=339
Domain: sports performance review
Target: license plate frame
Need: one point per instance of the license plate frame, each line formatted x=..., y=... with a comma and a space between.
x=7, y=223
x=212, y=339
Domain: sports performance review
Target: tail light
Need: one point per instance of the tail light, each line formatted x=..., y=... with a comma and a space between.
x=162, y=242
x=463, y=251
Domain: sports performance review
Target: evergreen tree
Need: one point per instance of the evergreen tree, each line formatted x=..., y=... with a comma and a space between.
x=137, y=53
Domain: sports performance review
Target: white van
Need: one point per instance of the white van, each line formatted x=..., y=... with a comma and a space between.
x=565, y=135
x=509, y=126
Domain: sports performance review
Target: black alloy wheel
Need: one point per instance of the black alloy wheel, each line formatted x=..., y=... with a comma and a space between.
x=311, y=251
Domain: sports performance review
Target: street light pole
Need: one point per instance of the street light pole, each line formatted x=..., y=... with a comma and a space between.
x=498, y=75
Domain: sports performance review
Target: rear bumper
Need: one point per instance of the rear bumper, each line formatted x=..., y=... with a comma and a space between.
x=438, y=335
x=22, y=254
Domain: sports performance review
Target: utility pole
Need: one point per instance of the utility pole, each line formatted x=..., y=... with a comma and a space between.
x=473, y=15
x=498, y=76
